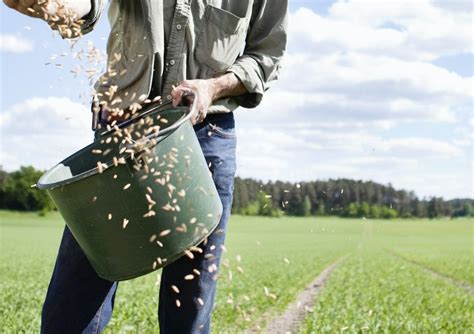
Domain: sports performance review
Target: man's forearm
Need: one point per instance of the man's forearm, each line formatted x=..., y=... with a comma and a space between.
x=227, y=85
x=76, y=8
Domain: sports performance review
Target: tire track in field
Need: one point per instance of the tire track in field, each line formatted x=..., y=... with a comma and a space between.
x=289, y=321
x=448, y=279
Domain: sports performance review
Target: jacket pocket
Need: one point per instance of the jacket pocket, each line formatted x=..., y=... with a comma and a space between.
x=221, y=39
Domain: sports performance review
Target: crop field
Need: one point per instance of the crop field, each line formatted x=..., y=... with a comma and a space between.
x=380, y=287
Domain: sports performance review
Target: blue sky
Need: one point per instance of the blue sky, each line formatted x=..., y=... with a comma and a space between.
x=369, y=90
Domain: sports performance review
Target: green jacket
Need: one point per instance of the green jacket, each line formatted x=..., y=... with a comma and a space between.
x=199, y=39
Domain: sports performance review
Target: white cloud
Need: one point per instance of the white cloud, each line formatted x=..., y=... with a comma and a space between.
x=43, y=131
x=358, y=97
x=15, y=44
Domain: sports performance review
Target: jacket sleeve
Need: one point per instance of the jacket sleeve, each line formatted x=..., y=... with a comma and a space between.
x=265, y=46
x=91, y=19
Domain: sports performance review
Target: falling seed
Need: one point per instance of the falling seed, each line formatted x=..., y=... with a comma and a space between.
x=189, y=277
x=196, y=249
x=238, y=258
x=127, y=186
x=109, y=216
x=200, y=301
x=286, y=260
x=165, y=233
x=240, y=270
x=153, y=237
x=154, y=265
x=182, y=193
x=193, y=220
x=175, y=288
x=266, y=291
x=189, y=254
x=125, y=222
x=178, y=303
x=197, y=272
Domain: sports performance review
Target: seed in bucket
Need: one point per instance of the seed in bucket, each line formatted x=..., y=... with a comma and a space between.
x=189, y=277
x=125, y=222
x=126, y=186
x=193, y=220
x=165, y=233
x=175, y=288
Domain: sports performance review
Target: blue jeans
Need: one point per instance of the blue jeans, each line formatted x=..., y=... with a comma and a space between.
x=79, y=301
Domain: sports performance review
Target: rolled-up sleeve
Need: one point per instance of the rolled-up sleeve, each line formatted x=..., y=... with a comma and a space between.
x=91, y=19
x=265, y=46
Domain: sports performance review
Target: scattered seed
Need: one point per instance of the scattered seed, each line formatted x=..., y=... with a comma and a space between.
x=175, y=288
x=165, y=233
x=189, y=254
x=189, y=277
x=125, y=222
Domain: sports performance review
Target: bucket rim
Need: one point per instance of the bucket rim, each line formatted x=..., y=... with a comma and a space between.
x=41, y=184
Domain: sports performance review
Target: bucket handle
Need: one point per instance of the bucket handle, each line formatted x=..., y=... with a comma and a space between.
x=187, y=101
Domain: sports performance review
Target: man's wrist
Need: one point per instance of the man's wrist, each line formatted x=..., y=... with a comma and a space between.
x=227, y=85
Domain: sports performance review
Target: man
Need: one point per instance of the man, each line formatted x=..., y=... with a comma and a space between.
x=225, y=52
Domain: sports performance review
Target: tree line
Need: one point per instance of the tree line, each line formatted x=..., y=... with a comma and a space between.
x=341, y=197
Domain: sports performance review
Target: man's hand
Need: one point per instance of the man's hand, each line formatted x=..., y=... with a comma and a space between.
x=61, y=15
x=206, y=92
x=203, y=92
x=27, y=7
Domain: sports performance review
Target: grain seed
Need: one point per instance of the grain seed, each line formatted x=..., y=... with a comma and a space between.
x=189, y=277
x=125, y=222
x=189, y=254
x=175, y=288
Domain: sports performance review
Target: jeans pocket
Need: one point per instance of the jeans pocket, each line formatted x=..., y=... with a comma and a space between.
x=221, y=132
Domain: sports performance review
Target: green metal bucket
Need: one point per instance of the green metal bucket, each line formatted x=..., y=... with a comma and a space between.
x=134, y=207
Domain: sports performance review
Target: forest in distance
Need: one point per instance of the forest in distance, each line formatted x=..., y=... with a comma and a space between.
x=340, y=197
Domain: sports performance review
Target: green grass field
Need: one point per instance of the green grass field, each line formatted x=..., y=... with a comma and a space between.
x=373, y=290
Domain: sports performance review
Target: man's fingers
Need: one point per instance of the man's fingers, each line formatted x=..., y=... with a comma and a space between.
x=11, y=3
